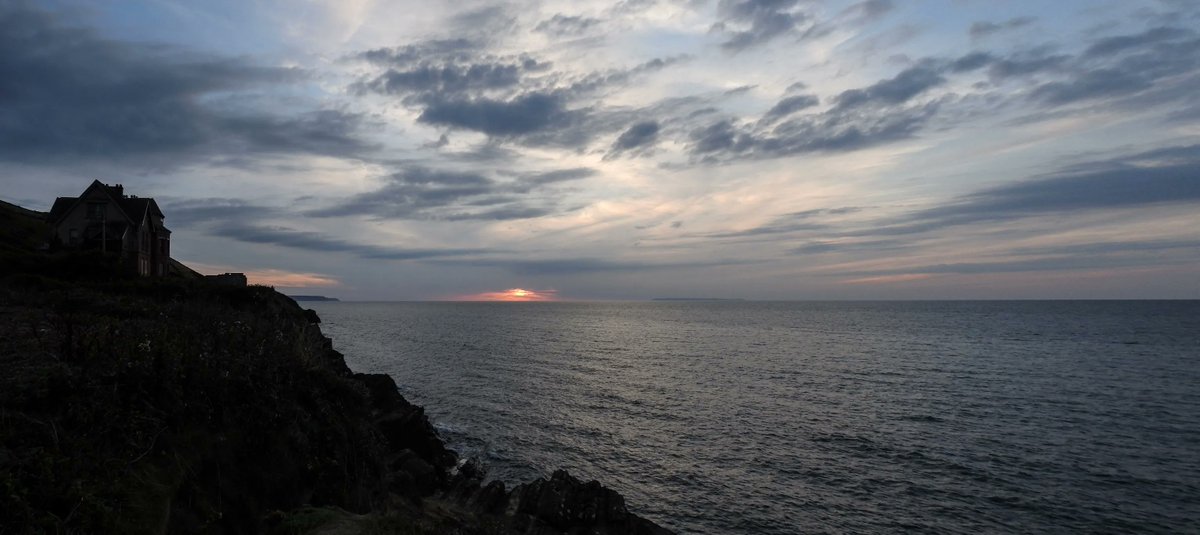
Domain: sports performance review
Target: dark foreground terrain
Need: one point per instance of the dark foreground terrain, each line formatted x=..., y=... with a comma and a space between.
x=132, y=405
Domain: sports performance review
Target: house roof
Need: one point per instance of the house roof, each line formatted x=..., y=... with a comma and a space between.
x=62, y=205
x=133, y=208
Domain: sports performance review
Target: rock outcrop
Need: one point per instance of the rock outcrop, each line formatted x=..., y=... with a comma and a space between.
x=421, y=467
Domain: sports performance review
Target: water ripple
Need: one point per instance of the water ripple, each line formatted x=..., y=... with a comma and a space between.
x=818, y=417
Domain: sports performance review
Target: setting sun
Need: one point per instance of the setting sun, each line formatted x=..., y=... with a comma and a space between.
x=511, y=294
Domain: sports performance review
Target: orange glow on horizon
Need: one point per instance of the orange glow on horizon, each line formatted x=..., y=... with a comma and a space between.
x=511, y=295
x=271, y=277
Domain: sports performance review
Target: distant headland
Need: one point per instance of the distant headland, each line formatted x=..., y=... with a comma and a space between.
x=313, y=298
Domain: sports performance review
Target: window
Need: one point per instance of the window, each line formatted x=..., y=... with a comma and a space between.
x=95, y=211
x=73, y=236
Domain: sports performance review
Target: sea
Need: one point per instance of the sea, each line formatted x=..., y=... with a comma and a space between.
x=747, y=417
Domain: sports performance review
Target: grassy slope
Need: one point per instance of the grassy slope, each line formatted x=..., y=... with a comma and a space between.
x=21, y=229
x=133, y=406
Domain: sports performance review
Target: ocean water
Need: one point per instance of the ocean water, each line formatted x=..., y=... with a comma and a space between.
x=798, y=417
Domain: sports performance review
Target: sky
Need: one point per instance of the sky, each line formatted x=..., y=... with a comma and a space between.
x=754, y=149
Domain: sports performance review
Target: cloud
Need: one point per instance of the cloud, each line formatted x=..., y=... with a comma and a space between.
x=528, y=182
x=488, y=21
x=271, y=277
x=888, y=279
x=879, y=113
x=566, y=25
x=641, y=135
x=1110, y=46
x=576, y=266
x=190, y=212
x=511, y=99
x=427, y=50
x=1054, y=263
x=1125, y=65
x=869, y=10
x=1024, y=64
x=525, y=114
x=822, y=247
x=789, y=105
x=716, y=137
x=70, y=94
x=287, y=279
x=417, y=192
x=1109, y=247
x=447, y=78
x=837, y=130
x=1150, y=68
x=787, y=223
x=443, y=69
x=318, y=242
x=748, y=23
x=1162, y=176
x=896, y=90
x=982, y=29
x=1141, y=179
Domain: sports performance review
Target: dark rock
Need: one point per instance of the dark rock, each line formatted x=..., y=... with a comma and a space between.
x=412, y=476
x=465, y=481
x=471, y=470
x=491, y=499
x=567, y=504
x=311, y=316
x=381, y=388
x=564, y=502
x=403, y=424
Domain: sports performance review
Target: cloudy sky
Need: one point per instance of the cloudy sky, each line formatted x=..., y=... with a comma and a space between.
x=759, y=149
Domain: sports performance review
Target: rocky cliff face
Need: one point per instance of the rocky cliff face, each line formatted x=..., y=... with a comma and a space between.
x=134, y=406
x=422, y=469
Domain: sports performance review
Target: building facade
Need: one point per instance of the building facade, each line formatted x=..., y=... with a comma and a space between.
x=104, y=218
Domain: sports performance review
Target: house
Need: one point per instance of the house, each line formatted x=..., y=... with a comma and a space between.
x=104, y=218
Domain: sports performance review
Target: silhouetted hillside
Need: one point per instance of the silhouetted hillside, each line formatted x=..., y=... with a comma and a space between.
x=168, y=405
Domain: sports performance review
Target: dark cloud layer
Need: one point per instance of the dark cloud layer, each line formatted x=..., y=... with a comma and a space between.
x=578, y=266
x=70, y=94
x=431, y=194
x=525, y=114
x=640, y=136
x=790, y=105
x=566, y=25
x=193, y=212
x=1162, y=60
x=1159, y=177
x=748, y=23
x=457, y=84
x=1059, y=263
x=1134, y=181
x=982, y=29
x=318, y=242
x=1124, y=65
x=897, y=90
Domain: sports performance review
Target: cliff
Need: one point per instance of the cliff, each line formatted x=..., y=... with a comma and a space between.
x=131, y=405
